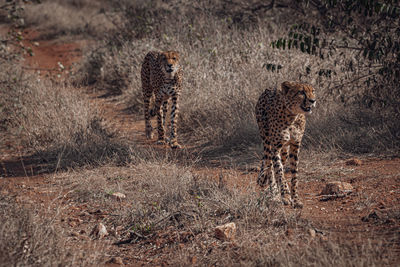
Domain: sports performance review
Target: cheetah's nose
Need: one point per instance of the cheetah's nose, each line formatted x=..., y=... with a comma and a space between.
x=169, y=65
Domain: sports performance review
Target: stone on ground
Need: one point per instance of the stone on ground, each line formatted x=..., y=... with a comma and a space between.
x=226, y=232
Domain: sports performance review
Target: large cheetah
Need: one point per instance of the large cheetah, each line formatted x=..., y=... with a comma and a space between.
x=281, y=121
x=161, y=76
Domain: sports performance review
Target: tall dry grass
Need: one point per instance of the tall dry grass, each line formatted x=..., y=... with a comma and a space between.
x=224, y=61
x=59, y=18
x=51, y=121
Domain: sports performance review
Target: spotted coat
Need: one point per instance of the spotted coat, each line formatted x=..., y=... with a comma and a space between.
x=161, y=76
x=281, y=120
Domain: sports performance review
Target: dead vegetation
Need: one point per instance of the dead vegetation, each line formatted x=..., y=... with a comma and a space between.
x=171, y=207
x=170, y=213
x=227, y=63
x=29, y=239
x=51, y=122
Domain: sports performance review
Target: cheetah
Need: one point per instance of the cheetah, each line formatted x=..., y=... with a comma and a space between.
x=281, y=120
x=162, y=76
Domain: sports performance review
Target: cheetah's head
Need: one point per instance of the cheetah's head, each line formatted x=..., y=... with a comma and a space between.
x=169, y=62
x=301, y=96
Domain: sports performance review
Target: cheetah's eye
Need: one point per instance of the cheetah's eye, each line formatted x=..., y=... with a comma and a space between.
x=302, y=94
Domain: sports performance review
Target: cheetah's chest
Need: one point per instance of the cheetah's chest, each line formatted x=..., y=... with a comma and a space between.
x=282, y=128
x=168, y=89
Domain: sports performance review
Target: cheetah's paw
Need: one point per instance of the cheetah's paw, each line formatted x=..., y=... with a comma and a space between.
x=160, y=142
x=297, y=204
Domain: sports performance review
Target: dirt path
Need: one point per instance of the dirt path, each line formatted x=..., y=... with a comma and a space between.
x=371, y=211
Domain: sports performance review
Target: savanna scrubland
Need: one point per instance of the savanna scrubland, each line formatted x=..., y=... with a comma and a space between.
x=72, y=155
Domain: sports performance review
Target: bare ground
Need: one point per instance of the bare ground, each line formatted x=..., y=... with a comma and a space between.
x=371, y=213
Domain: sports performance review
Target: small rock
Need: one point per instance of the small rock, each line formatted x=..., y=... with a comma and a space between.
x=117, y=260
x=312, y=233
x=225, y=232
x=118, y=195
x=336, y=189
x=353, y=162
x=99, y=231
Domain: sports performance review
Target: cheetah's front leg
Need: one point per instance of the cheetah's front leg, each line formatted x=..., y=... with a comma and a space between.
x=160, y=125
x=164, y=112
x=174, y=121
x=279, y=179
x=286, y=192
x=294, y=160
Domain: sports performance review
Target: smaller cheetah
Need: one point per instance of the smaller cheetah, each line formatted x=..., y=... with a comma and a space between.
x=281, y=121
x=162, y=76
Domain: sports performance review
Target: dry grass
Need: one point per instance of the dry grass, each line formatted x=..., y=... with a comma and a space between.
x=69, y=18
x=263, y=251
x=27, y=238
x=223, y=54
x=53, y=122
x=170, y=214
x=224, y=73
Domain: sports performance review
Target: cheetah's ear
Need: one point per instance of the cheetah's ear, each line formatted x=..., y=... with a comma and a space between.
x=176, y=54
x=286, y=86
